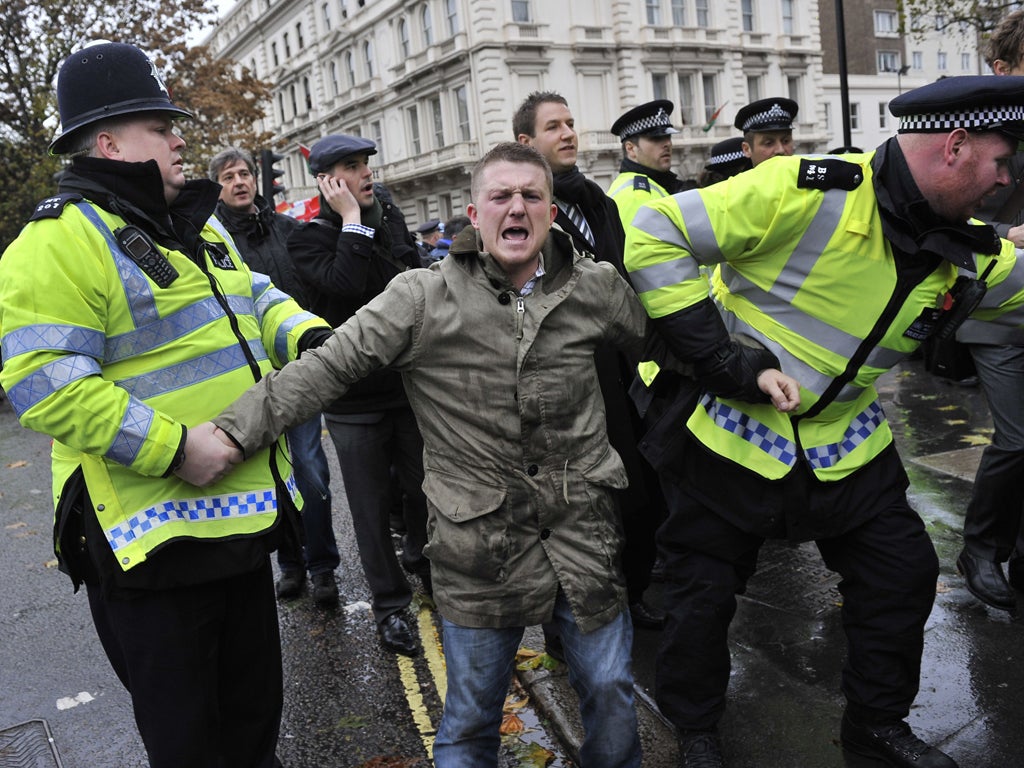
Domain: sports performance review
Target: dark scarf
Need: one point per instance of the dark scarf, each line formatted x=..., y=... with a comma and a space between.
x=135, y=192
x=664, y=179
x=600, y=213
x=256, y=225
x=910, y=223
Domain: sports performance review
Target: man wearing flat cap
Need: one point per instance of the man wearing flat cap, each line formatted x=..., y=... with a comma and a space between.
x=726, y=160
x=346, y=256
x=767, y=126
x=833, y=270
x=645, y=171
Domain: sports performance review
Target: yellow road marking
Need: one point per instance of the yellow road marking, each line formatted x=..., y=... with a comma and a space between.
x=420, y=716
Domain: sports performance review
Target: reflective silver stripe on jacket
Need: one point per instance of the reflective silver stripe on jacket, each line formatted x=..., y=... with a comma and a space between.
x=750, y=429
x=702, y=246
x=861, y=428
x=47, y=379
x=190, y=372
x=196, y=511
x=138, y=417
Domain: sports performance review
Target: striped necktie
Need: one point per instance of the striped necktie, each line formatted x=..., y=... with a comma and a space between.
x=576, y=217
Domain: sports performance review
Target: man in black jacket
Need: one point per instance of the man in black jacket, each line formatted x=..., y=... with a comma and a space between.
x=346, y=256
x=261, y=235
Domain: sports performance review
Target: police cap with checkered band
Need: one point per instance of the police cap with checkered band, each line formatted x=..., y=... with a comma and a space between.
x=650, y=120
x=971, y=102
x=774, y=114
x=104, y=80
x=727, y=157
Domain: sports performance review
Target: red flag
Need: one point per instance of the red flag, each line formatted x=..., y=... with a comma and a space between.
x=714, y=117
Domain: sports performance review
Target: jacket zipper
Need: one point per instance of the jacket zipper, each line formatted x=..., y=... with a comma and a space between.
x=520, y=314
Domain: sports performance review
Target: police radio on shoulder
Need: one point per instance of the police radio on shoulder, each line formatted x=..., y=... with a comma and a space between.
x=137, y=245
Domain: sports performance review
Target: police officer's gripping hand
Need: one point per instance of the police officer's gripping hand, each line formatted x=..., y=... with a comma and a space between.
x=783, y=390
x=209, y=455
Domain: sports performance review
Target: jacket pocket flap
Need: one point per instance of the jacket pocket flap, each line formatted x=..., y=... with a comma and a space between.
x=460, y=499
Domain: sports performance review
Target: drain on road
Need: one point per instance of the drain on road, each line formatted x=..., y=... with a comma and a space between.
x=792, y=577
x=28, y=745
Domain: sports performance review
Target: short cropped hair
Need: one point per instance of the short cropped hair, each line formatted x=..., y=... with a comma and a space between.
x=511, y=152
x=524, y=121
x=1006, y=41
x=230, y=156
x=454, y=225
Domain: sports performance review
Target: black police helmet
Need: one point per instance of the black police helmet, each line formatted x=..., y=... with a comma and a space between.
x=105, y=80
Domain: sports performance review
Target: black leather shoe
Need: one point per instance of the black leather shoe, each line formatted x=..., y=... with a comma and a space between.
x=646, y=616
x=893, y=743
x=985, y=580
x=291, y=584
x=700, y=749
x=553, y=645
x=325, y=589
x=396, y=636
x=1015, y=572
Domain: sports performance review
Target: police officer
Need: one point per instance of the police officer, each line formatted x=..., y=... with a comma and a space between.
x=345, y=257
x=839, y=308
x=726, y=160
x=128, y=319
x=767, y=126
x=429, y=233
x=644, y=173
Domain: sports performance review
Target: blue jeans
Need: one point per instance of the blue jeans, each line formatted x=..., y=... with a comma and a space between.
x=314, y=481
x=480, y=665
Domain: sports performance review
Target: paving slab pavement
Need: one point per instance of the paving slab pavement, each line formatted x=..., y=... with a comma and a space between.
x=787, y=640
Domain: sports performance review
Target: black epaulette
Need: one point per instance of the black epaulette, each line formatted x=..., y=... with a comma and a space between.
x=829, y=173
x=52, y=207
x=642, y=182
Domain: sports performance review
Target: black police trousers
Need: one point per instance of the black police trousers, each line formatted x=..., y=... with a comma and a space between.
x=889, y=570
x=203, y=667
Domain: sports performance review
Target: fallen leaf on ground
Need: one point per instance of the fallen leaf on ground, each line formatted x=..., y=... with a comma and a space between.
x=510, y=724
x=17, y=464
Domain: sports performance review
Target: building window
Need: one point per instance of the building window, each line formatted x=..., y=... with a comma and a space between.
x=787, y=17
x=438, y=121
x=307, y=93
x=965, y=62
x=414, y=130
x=252, y=68
x=887, y=24
x=940, y=21
x=753, y=88
x=378, y=138
x=883, y=115
x=521, y=11
x=462, y=110
x=942, y=61
x=747, y=13
x=326, y=9
x=300, y=40
x=659, y=86
x=452, y=11
x=273, y=54
x=335, y=85
x=917, y=60
x=280, y=107
x=428, y=26
x=403, y=38
x=368, y=56
x=287, y=46
x=678, y=12
x=828, y=116
x=350, y=68
x=295, y=100
x=344, y=10
x=854, y=116
x=793, y=88
x=653, y=12
x=686, y=104
x=710, y=95
x=888, y=61
x=703, y=17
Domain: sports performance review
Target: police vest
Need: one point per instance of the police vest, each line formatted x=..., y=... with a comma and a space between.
x=810, y=276
x=120, y=363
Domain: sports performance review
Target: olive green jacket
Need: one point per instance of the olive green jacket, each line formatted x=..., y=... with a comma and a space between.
x=518, y=470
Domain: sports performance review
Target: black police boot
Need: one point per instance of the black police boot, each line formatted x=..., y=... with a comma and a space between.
x=1015, y=571
x=646, y=616
x=291, y=584
x=700, y=749
x=985, y=580
x=894, y=743
x=396, y=635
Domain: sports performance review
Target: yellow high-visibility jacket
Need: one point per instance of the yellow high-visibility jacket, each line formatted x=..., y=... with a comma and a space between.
x=112, y=366
x=807, y=273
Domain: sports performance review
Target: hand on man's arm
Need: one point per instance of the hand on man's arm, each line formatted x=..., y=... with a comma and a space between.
x=209, y=455
x=783, y=390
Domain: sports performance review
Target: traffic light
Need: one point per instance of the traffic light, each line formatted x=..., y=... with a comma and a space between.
x=270, y=186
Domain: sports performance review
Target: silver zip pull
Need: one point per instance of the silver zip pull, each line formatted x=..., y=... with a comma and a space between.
x=520, y=314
